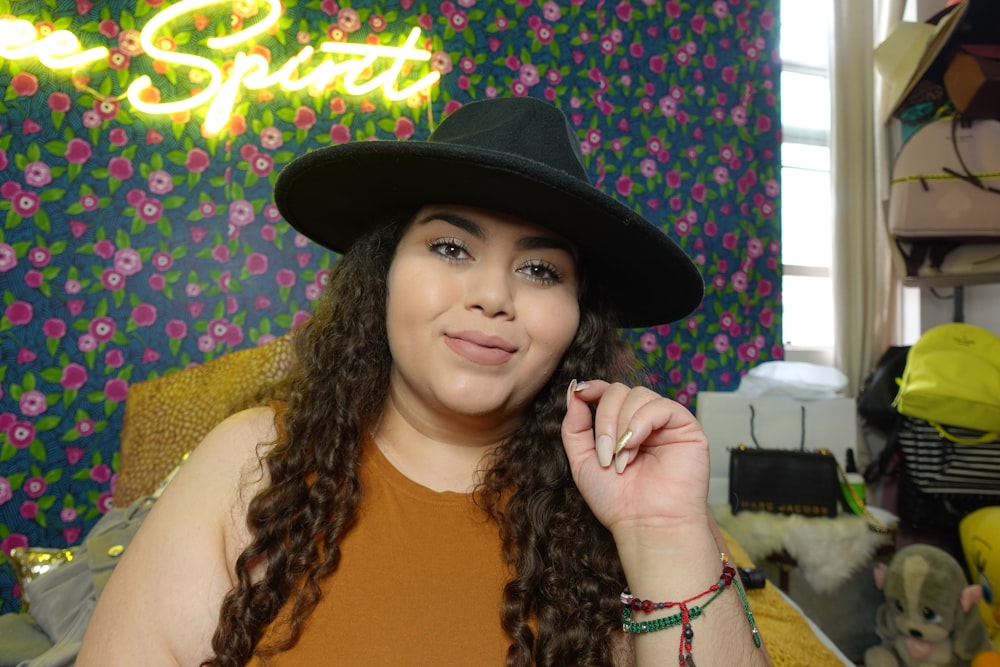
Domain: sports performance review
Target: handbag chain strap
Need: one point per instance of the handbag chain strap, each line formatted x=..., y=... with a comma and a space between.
x=802, y=423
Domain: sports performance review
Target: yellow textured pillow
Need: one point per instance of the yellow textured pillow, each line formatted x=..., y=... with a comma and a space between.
x=166, y=417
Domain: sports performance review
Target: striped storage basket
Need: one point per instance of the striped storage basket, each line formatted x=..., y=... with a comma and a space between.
x=940, y=467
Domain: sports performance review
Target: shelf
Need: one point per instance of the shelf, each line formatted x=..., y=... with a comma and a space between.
x=952, y=280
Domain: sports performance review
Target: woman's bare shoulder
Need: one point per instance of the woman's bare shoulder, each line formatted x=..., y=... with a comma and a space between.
x=162, y=602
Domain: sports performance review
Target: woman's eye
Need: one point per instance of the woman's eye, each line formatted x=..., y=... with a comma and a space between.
x=542, y=272
x=449, y=248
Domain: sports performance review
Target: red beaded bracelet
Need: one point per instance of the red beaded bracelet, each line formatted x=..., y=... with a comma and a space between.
x=684, y=654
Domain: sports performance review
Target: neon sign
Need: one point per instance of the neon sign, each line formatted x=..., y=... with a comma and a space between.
x=61, y=49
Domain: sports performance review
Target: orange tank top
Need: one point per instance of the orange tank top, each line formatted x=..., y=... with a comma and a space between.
x=420, y=582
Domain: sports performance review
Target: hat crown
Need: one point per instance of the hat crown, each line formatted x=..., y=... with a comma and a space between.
x=519, y=127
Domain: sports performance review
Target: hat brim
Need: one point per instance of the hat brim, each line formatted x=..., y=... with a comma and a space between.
x=334, y=195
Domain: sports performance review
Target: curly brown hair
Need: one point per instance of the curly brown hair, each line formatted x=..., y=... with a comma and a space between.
x=561, y=605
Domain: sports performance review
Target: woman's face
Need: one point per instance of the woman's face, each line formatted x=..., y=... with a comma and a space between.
x=481, y=307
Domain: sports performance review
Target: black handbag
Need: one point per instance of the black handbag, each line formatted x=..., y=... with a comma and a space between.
x=783, y=481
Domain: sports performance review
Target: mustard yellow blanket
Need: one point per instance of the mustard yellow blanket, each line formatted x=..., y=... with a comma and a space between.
x=789, y=638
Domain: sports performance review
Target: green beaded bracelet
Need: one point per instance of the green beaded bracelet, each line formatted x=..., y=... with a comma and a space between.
x=664, y=622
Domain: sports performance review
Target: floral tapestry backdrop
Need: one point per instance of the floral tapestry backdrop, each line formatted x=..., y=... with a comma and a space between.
x=134, y=243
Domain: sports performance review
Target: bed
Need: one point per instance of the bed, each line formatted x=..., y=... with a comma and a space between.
x=166, y=417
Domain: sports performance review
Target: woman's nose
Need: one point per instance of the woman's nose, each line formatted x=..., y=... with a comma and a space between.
x=489, y=290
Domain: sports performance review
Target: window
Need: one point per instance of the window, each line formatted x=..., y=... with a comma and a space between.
x=806, y=194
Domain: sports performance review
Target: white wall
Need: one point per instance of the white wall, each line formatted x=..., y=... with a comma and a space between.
x=981, y=307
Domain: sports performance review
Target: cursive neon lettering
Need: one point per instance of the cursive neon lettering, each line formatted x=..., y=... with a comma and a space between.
x=60, y=49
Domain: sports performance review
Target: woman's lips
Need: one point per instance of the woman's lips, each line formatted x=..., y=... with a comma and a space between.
x=480, y=348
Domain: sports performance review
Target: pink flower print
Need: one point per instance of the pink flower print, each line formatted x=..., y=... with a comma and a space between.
x=19, y=312
x=86, y=343
x=262, y=164
x=313, y=292
x=624, y=11
x=150, y=210
x=105, y=502
x=157, y=282
x=129, y=42
x=112, y=280
x=54, y=328
x=106, y=109
x=21, y=434
x=34, y=487
x=37, y=174
x=127, y=261
x=518, y=88
x=114, y=358
x=529, y=74
x=77, y=151
x=144, y=314
x=285, y=278
x=441, y=62
x=647, y=167
x=657, y=64
x=755, y=248
x=33, y=278
x=24, y=84
x=270, y=138
x=74, y=376
x=764, y=287
x=305, y=118
x=102, y=328
x=551, y=11
x=739, y=281
x=67, y=514
x=220, y=253
x=108, y=28
x=59, y=102
x=162, y=261
x=607, y=45
x=116, y=390
x=89, y=201
x=206, y=343
x=29, y=509
x=403, y=129
x=299, y=318
x=197, y=160
x=729, y=240
x=100, y=473
x=118, y=60
x=544, y=34
x=149, y=355
x=624, y=186
x=721, y=343
x=330, y=7
x=648, y=342
x=348, y=20
x=698, y=191
x=747, y=352
x=6, y=493
x=160, y=182
x=92, y=119
x=104, y=248
x=176, y=329
x=377, y=22
x=458, y=21
x=217, y=329
x=340, y=133
x=256, y=263
x=234, y=335
x=241, y=213
x=118, y=137
x=25, y=203
x=120, y=168
x=207, y=209
x=192, y=289
x=39, y=257
x=32, y=403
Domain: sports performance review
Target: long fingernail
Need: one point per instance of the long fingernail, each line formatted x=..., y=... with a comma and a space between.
x=605, y=450
x=622, y=441
x=580, y=386
x=570, y=390
x=621, y=460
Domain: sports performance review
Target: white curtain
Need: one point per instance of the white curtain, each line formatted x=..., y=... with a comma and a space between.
x=866, y=290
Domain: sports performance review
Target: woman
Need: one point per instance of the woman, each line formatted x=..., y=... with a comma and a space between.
x=460, y=474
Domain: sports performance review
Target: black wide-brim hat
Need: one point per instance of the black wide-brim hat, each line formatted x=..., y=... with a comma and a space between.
x=515, y=155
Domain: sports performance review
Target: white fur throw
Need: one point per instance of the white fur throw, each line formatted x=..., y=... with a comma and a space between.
x=828, y=551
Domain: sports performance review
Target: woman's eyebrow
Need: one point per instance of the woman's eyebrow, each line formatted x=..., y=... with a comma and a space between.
x=543, y=242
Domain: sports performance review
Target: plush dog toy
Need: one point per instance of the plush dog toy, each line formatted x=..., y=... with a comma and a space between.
x=929, y=617
x=980, y=536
